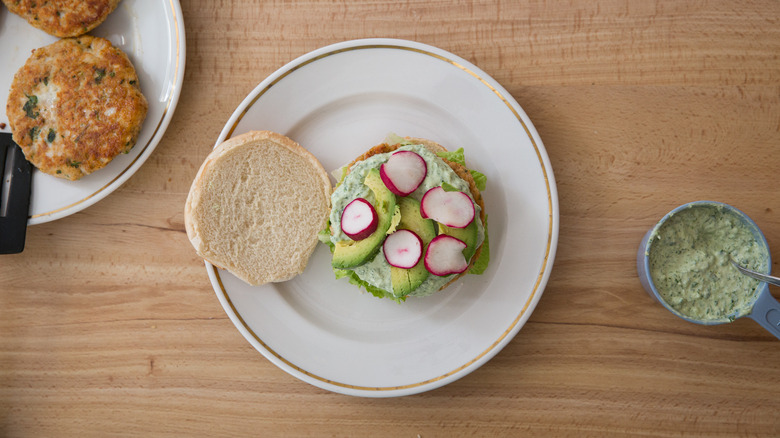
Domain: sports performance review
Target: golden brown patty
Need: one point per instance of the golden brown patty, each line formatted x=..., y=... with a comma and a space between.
x=63, y=18
x=75, y=105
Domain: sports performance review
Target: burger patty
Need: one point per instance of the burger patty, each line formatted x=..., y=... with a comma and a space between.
x=63, y=18
x=75, y=105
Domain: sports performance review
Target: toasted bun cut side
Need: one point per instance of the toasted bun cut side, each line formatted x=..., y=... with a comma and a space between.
x=256, y=206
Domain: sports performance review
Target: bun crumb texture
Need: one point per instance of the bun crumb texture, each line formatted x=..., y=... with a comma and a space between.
x=256, y=206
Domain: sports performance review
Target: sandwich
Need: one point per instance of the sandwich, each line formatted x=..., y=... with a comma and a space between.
x=407, y=219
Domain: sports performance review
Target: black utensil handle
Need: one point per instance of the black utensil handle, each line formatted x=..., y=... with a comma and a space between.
x=15, y=197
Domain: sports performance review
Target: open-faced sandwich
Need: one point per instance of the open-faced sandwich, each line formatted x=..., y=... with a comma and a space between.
x=407, y=218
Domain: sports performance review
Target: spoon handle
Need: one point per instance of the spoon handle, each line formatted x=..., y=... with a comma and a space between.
x=766, y=312
x=762, y=277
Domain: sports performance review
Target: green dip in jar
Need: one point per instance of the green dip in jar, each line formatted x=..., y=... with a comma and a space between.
x=689, y=262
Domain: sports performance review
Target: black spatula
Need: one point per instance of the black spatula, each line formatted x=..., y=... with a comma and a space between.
x=14, y=195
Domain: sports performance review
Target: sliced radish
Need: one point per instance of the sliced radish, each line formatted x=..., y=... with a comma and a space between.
x=444, y=256
x=359, y=219
x=402, y=249
x=403, y=172
x=453, y=209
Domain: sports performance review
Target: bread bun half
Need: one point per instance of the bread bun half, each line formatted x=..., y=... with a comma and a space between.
x=256, y=205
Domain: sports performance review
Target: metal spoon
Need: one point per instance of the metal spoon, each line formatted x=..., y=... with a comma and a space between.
x=758, y=276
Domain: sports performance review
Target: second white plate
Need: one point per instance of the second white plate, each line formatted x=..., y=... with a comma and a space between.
x=151, y=33
x=339, y=101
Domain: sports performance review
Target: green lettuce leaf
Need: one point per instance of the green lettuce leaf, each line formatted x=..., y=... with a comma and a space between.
x=454, y=156
x=480, y=179
x=459, y=157
x=340, y=173
x=324, y=237
x=393, y=138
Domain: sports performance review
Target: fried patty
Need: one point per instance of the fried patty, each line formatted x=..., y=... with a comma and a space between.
x=63, y=18
x=75, y=105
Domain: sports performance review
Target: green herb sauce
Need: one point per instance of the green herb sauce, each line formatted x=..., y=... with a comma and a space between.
x=690, y=267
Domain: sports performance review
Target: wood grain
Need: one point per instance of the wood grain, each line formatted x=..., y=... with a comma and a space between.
x=109, y=327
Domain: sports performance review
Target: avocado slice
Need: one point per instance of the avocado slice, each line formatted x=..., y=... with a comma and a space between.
x=352, y=253
x=468, y=235
x=405, y=281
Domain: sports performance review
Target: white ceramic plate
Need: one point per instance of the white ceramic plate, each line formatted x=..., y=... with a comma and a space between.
x=151, y=33
x=339, y=101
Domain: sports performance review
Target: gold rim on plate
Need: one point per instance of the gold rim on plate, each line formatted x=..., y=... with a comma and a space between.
x=539, y=278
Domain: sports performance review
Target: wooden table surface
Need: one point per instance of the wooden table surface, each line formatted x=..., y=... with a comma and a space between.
x=109, y=325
